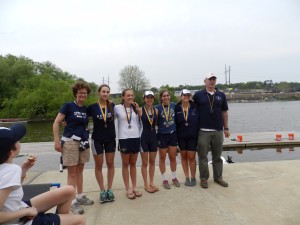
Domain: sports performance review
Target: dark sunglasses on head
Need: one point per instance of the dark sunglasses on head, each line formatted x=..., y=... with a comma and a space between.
x=212, y=78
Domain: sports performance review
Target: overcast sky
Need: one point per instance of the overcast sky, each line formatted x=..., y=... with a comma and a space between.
x=174, y=42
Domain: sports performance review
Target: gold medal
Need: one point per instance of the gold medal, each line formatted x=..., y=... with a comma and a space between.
x=185, y=111
x=166, y=114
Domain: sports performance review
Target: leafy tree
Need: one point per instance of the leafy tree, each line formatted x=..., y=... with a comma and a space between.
x=134, y=78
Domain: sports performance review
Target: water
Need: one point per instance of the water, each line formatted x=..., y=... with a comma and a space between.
x=243, y=118
x=264, y=117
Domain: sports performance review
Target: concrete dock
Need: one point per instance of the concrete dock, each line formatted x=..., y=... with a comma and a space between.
x=258, y=193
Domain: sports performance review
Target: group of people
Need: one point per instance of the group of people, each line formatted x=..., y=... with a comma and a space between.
x=192, y=124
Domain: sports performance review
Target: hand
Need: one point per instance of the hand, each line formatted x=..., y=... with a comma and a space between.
x=30, y=212
x=227, y=133
x=28, y=163
x=136, y=105
x=57, y=146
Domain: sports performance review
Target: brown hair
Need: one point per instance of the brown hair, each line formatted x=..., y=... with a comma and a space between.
x=123, y=94
x=80, y=85
x=4, y=155
x=161, y=93
x=108, y=103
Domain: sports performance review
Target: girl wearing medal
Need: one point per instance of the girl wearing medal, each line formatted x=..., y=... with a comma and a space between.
x=149, y=116
x=128, y=134
x=187, y=132
x=103, y=139
x=167, y=138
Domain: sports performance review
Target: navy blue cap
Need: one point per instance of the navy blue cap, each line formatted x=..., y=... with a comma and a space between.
x=11, y=135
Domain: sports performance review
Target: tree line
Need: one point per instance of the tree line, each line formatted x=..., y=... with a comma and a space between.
x=37, y=90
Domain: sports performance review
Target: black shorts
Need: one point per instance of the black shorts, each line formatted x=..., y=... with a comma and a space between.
x=44, y=218
x=189, y=144
x=99, y=147
x=130, y=145
x=149, y=145
x=165, y=140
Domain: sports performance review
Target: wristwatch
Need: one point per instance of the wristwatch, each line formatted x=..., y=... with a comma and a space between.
x=226, y=128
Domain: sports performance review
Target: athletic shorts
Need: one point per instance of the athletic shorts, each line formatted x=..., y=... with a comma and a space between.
x=99, y=147
x=72, y=156
x=189, y=144
x=44, y=218
x=149, y=145
x=130, y=145
x=165, y=140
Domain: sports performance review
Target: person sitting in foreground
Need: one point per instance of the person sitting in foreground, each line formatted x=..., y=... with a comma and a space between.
x=12, y=209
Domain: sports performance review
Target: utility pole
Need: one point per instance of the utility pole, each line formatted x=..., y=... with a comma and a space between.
x=225, y=74
x=229, y=75
x=103, y=82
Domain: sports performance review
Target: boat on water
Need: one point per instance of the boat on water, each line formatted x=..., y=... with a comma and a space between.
x=13, y=120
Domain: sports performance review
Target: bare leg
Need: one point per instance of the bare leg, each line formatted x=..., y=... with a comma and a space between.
x=132, y=162
x=98, y=170
x=60, y=197
x=172, y=151
x=71, y=219
x=80, y=168
x=125, y=171
x=110, y=162
x=72, y=176
x=144, y=156
x=162, y=160
x=184, y=163
x=152, y=156
x=191, y=155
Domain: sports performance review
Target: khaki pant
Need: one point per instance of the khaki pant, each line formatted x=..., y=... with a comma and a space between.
x=72, y=156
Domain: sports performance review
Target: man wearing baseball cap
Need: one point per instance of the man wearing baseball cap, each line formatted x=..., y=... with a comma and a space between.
x=213, y=125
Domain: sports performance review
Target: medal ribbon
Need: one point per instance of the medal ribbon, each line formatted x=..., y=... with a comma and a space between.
x=147, y=114
x=128, y=118
x=103, y=113
x=211, y=104
x=166, y=114
x=185, y=112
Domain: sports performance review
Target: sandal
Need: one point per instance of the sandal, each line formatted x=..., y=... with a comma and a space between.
x=130, y=195
x=149, y=189
x=154, y=188
x=137, y=194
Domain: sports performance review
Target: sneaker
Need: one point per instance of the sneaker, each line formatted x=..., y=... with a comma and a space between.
x=166, y=184
x=176, y=182
x=187, y=182
x=110, y=196
x=76, y=209
x=221, y=182
x=204, y=184
x=103, y=196
x=193, y=182
x=84, y=200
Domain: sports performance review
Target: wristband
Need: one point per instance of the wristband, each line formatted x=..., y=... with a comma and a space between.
x=226, y=128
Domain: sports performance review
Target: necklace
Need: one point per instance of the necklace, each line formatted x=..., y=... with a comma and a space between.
x=128, y=117
x=211, y=104
x=185, y=111
x=104, y=114
x=148, y=117
x=166, y=114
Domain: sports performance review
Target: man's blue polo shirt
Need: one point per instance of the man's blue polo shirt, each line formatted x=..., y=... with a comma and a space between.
x=218, y=102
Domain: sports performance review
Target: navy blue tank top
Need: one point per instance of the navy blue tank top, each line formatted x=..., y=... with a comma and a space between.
x=147, y=128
